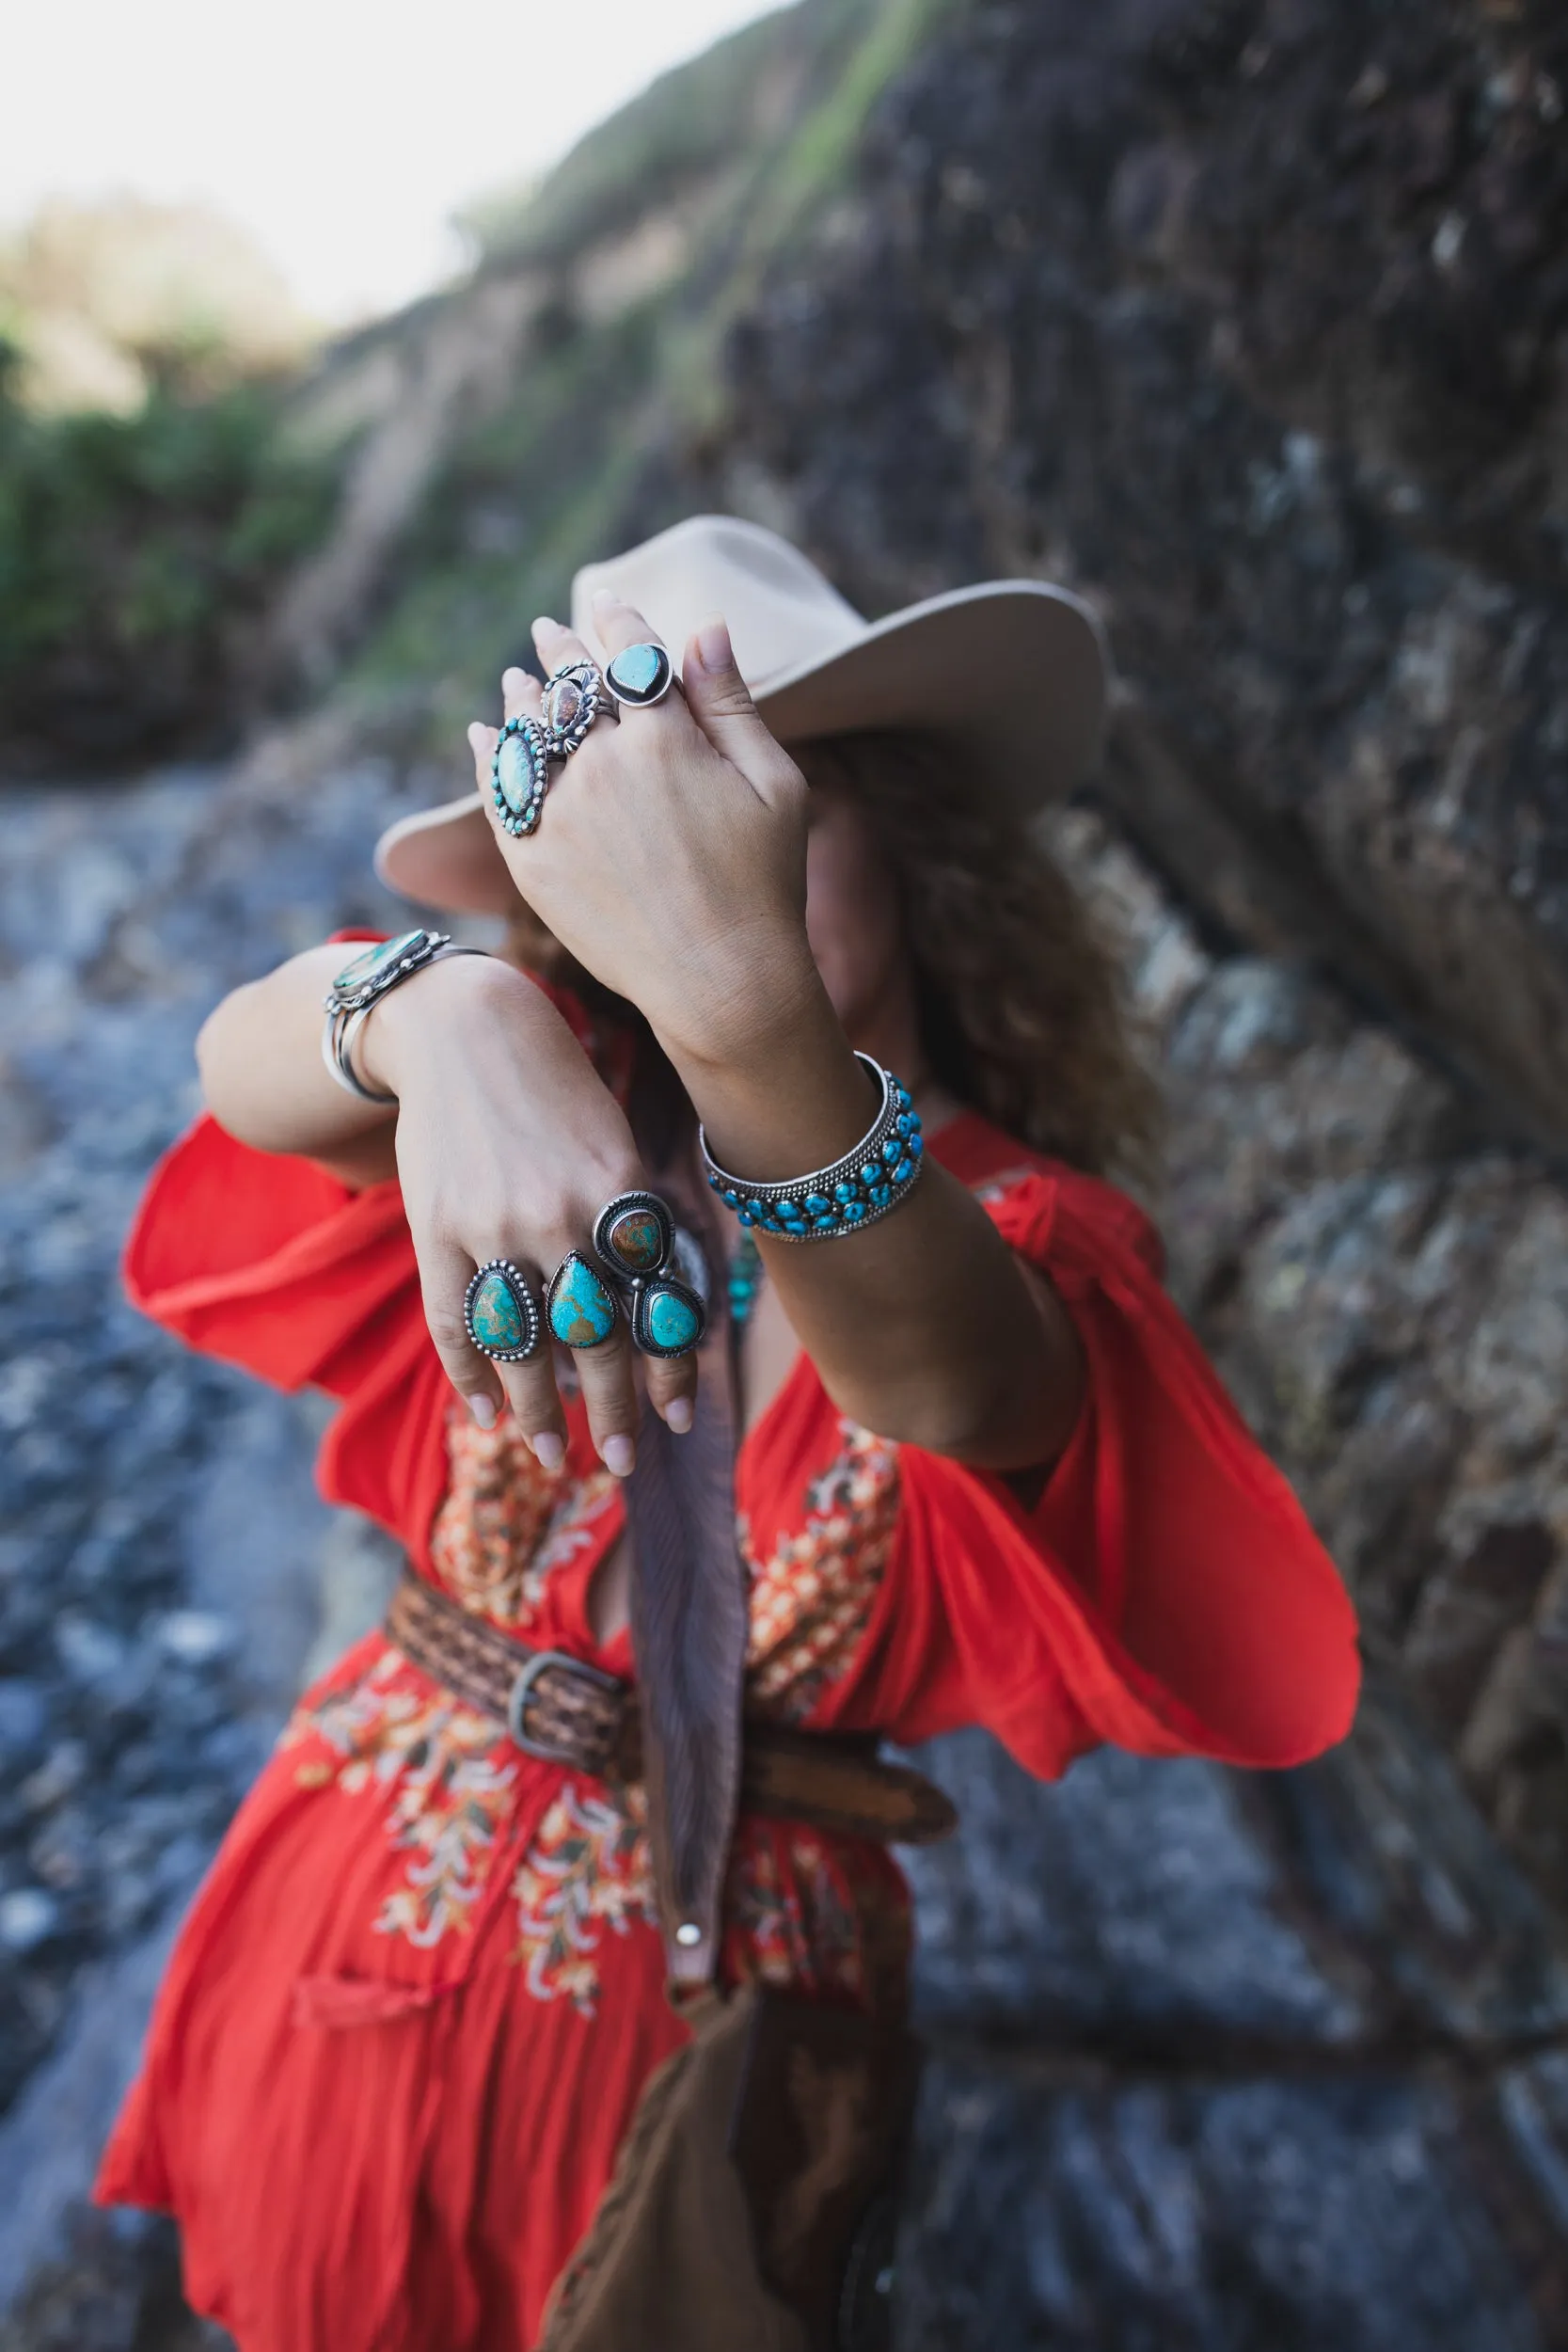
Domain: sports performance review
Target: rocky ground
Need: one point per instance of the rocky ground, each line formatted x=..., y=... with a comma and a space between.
x=1216, y=2061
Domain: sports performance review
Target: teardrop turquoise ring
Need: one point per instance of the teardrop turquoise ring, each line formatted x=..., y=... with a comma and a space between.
x=502, y=1314
x=639, y=675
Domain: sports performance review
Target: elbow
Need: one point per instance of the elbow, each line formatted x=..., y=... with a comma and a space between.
x=215, y=1065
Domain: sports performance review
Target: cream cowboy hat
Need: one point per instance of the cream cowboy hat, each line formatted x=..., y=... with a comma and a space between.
x=1013, y=671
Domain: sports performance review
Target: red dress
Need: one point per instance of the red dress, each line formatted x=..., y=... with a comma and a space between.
x=413, y=2005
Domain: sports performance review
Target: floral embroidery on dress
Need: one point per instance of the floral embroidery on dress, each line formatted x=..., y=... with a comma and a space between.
x=586, y=1869
x=792, y=1914
x=396, y=1731
x=506, y=1523
x=812, y=1597
x=795, y=1911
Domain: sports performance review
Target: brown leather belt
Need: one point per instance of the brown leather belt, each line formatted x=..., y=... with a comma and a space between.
x=570, y=1713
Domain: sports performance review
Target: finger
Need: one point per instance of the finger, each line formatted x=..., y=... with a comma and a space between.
x=521, y=693
x=482, y=742
x=536, y=1406
x=671, y=1385
x=720, y=701
x=610, y=1393
x=557, y=645
x=445, y=1273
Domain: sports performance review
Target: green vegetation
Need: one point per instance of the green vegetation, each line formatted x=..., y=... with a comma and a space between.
x=142, y=554
x=134, y=552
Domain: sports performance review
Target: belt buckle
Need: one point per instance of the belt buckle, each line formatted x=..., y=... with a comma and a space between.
x=522, y=1691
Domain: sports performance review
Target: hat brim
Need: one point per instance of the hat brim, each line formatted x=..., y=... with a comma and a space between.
x=1013, y=672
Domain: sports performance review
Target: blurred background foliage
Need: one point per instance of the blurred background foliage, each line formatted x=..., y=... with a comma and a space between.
x=204, y=515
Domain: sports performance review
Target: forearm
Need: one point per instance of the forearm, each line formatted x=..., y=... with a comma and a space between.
x=262, y=1071
x=924, y=1327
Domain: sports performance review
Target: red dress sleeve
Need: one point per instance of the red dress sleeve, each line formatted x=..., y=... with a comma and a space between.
x=271, y=1264
x=1166, y=1593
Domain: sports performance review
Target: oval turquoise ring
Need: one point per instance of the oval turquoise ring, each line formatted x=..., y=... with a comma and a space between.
x=639, y=675
x=520, y=775
x=502, y=1314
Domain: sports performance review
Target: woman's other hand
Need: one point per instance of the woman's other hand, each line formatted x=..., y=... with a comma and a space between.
x=670, y=858
x=508, y=1146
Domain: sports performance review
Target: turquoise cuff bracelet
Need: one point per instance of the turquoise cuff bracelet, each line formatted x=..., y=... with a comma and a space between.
x=866, y=1183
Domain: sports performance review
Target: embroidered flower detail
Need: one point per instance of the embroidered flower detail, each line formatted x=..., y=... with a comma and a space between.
x=811, y=1596
x=506, y=1523
x=587, y=1869
x=396, y=1732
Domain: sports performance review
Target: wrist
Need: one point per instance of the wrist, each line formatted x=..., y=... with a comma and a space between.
x=418, y=1021
x=744, y=1008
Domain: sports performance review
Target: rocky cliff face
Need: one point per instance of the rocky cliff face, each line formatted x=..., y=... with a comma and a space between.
x=1252, y=321
x=1249, y=318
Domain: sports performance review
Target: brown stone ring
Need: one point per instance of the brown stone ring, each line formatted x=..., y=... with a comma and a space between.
x=635, y=1236
x=574, y=696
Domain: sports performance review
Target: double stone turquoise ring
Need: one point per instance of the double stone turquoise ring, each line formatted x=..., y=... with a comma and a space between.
x=636, y=1242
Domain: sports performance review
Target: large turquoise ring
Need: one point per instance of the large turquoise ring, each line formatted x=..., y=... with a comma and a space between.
x=639, y=675
x=637, y=1238
x=520, y=775
x=502, y=1314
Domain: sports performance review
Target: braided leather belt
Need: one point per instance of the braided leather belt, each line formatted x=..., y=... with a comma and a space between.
x=568, y=1712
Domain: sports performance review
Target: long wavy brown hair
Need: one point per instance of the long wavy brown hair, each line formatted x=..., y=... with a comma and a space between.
x=1020, y=996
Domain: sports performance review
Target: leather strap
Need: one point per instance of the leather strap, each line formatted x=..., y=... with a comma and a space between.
x=573, y=1715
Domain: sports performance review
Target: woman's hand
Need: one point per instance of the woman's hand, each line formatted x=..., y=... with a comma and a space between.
x=669, y=859
x=508, y=1146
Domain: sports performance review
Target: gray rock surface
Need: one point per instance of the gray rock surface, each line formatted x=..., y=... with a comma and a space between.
x=1215, y=2059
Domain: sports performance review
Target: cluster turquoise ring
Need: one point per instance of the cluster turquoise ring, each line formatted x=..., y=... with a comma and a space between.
x=500, y=1313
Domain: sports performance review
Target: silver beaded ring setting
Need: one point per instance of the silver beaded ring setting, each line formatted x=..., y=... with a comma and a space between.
x=574, y=696
x=866, y=1185
x=502, y=1314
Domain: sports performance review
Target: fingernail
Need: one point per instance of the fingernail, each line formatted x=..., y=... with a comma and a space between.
x=619, y=1456
x=475, y=731
x=714, y=650
x=602, y=596
x=677, y=1415
x=549, y=1449
x=483, y=1410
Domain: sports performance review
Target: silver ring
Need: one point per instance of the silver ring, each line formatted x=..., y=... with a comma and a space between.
x=639, y=675
x=500, y=1313
x=520, y=775
x=574, y=696
x=638, y=1239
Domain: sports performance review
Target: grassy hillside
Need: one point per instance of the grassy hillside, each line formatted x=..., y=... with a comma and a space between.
x=384, y=524
x=633, y=258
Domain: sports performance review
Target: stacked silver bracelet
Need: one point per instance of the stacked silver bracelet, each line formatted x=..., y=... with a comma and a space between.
x=360, y=987
x=866, y=1183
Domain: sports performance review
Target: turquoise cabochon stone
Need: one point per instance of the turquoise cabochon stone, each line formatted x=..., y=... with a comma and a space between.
x=582, y=1309
x=372, y=960
x=672, y=1321
x=497, y=1319
x=639, y=670
x=518, y=771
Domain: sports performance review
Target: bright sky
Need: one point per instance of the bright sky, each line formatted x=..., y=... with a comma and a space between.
x=340, y=134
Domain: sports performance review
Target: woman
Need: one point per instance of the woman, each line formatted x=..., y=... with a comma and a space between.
x=985, y=1475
